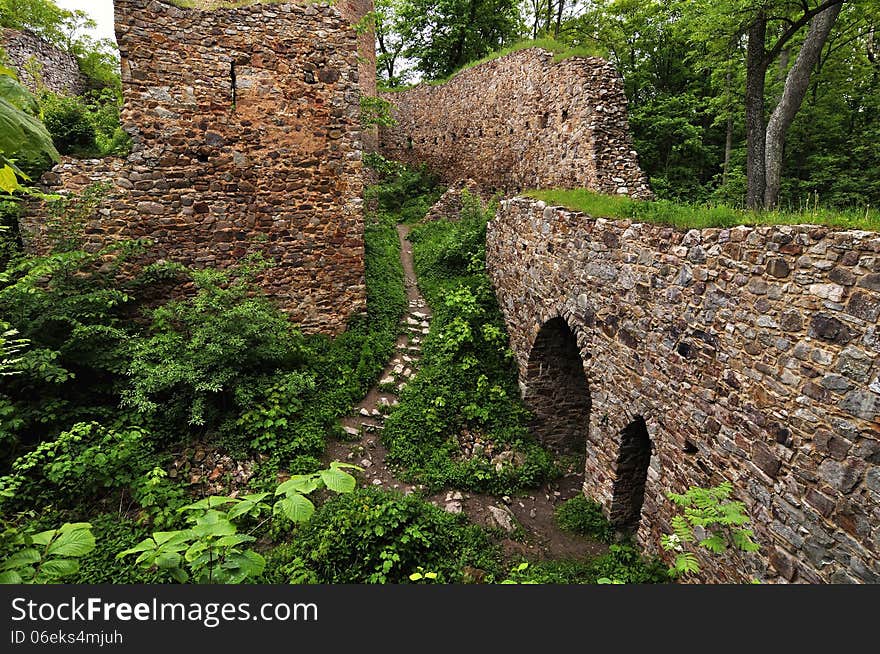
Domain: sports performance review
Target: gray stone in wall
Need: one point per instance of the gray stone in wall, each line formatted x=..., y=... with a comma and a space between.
x=776, y=389
x=40, y=64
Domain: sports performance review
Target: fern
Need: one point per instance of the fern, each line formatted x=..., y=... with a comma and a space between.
x=706, y=510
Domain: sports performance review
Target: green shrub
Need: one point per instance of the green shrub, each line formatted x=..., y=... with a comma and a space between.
x=67, y=119
x=624, y=564
x=80, y=463
x=113, y=533
x=374, y=536
x=583, y=516
x=203, y=353
x=72, y=307
x=621, y=564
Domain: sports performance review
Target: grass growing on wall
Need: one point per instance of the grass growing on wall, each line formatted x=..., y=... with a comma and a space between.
x=560, y=52
x=699, y=216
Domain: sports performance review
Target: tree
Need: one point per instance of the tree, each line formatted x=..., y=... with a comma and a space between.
x=389, y=42
x=771, y=29
x=444, y=35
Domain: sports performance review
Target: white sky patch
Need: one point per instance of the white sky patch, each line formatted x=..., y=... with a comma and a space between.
x=101, y=11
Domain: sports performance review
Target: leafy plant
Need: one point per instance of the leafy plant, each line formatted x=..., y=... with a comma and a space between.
x=376, y=111
x=583, y=516
x=44, y=557
x=709, y=520
x=466, y=383
x=202, y=349
x=67, y=119
x=212, y=550
x=371, y=536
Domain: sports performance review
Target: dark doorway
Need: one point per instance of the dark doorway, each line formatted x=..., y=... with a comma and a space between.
x=557, y=391
x=628, y=492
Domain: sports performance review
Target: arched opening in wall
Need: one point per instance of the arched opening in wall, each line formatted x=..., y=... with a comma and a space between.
x=628, y=492
x=556, y=391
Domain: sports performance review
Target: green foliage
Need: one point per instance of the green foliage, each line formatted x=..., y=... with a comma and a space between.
x=71, y=306
x=24, y=141
x=113, y=532
x=81, y=463
x=45, y=557
x=372, y=536
x=443, y=36
x=67, y=120
x=622, y=564
x=212, y=549
x=698, y=216
x=85, y=126
x=709, y=520
x=406, y=193
x=467, y=376
x=202, y=349
x=583, y=516
x=376, y=111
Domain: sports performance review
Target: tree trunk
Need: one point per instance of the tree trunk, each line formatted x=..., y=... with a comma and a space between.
x=560, y=7
x=756, y=71
x=728, y=140
x=796, y=85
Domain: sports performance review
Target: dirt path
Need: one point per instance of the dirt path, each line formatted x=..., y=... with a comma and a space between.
x=533, y=511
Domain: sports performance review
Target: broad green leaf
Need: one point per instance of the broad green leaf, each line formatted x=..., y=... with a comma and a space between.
x=10, y=577
x=20, y=558
x=59, y=567
x=168, y=560
x=297, y=508
x=8, y=180
x=304, y=484
x=75, y=541
x=179, y=575
x=338, y=481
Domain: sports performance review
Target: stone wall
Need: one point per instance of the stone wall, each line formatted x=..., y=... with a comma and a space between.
x=751, y=355
x=39, y=63
x=521, y=121
x=246, y=134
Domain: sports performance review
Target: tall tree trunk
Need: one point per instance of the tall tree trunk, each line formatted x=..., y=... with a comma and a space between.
x=728, y=148
x=756, y=72
x=728, y=140
x=559, y=8
x=796, y=85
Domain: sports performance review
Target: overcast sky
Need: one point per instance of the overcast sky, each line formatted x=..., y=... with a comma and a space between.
x=101, y=11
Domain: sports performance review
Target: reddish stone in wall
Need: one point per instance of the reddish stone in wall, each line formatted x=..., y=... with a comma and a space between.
x=246, y=134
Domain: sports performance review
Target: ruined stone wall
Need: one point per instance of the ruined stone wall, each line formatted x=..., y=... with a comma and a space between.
x=355, y=12
x=751, y=353
x=246, y=135
x=521, y=121
x=40, y=64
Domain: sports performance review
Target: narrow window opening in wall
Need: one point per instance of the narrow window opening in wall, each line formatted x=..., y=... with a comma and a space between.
x=481, y=132
x=628, y=492
x=233, y=83
x=436, y=140
x=689, y=447
x=564, y=115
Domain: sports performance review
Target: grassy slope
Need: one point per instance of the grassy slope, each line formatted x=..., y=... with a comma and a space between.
x=694, y=216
